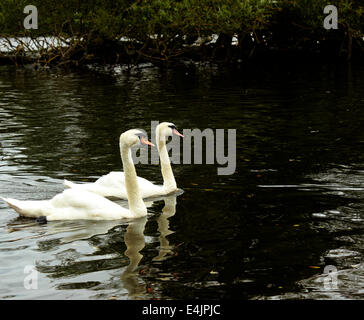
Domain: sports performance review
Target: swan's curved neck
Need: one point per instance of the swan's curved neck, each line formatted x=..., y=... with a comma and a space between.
x=136, y=203
x=169, y=183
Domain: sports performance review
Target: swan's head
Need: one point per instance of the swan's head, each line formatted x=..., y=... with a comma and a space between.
x=133, y=137
x=167, y=129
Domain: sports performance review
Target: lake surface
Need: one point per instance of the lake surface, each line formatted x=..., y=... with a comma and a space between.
x=292, y=211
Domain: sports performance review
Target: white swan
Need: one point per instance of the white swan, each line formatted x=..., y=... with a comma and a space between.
x=75, y=204
x=113, y=184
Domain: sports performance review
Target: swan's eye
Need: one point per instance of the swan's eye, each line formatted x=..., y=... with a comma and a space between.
x=172, y=126
x=144, y=140
x=141, y=135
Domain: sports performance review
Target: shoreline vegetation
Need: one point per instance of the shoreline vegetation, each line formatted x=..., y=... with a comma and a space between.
x=75, y=33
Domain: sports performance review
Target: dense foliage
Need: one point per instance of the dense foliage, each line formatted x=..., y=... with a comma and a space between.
x=165, y=29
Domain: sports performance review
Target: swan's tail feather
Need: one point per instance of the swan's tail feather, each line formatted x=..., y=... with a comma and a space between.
x=69, y=184
x=15, y=204
x=30, y=209
x=79, y=186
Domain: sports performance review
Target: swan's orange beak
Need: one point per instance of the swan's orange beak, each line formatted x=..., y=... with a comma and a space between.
x=145, y=141
x=177, y=133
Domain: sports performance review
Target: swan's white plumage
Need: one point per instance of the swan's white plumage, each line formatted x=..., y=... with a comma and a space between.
x=113, y=184
x=74, y=203
x=71, y=205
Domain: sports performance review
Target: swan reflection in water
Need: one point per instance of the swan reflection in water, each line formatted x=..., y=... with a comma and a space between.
x=135, y=242
x=168, y=211
x=66, y=233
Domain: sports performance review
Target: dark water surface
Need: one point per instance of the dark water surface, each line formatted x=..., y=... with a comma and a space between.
x=294, y=206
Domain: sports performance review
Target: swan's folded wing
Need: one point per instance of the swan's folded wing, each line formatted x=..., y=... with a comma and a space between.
x=78, y=204
x=81, y=199
x=149, y=189
x=114, y=179
x=114, y=184
x=110, y=185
